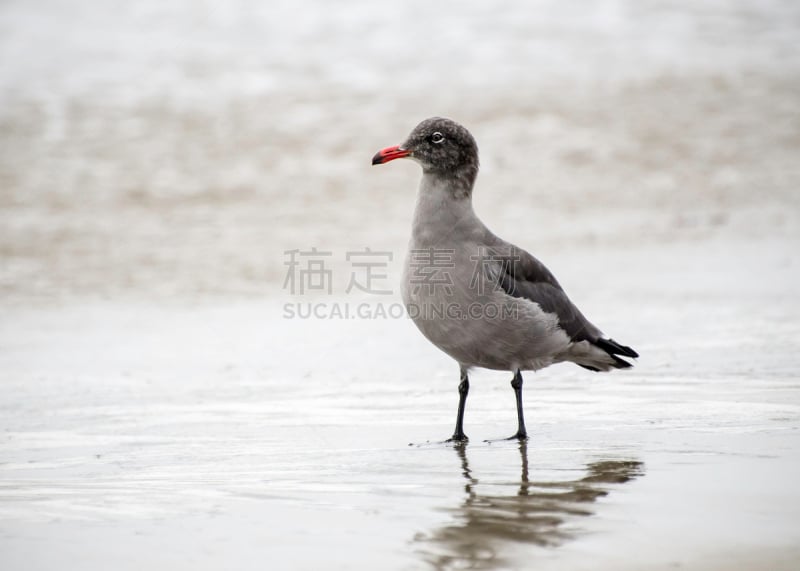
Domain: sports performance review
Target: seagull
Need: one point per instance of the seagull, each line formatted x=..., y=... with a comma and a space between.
x=483, y=301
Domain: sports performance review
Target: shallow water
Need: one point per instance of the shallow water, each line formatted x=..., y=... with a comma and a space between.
x=216, y=435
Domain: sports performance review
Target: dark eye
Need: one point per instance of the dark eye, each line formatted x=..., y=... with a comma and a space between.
x=437, y=137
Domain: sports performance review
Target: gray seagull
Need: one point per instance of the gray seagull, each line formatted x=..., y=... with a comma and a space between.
x=478, y=298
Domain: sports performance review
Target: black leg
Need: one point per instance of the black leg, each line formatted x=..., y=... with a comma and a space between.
x=463, y=389
x=516, y=384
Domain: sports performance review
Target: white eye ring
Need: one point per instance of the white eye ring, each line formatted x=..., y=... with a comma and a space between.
x=437, y=137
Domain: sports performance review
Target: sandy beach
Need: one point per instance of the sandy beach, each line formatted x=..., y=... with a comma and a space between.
x=166, y=402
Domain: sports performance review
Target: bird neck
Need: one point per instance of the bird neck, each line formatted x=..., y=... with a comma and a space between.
x=444, y=208
x=459, y=182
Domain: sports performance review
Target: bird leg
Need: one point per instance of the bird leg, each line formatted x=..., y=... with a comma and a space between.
x=516, y=384
x=463, y=389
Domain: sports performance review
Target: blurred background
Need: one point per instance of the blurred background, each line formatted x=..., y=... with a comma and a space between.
x=159, y=158
x=178, y=149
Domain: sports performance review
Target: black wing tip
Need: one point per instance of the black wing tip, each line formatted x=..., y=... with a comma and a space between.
x=613, y=348
x=621, y=363
x=618, y=364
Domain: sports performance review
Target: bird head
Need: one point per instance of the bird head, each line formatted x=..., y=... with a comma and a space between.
x=441, y=146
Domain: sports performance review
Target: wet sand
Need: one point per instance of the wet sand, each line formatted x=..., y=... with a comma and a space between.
x=211, y=435
x=158, y=408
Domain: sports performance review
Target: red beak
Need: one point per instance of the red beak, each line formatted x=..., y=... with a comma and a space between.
x=389, y=154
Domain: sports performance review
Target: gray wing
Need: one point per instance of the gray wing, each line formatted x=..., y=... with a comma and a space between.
x=521, y=275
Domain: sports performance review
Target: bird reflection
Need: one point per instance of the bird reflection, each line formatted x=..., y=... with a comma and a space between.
x=534, y=513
